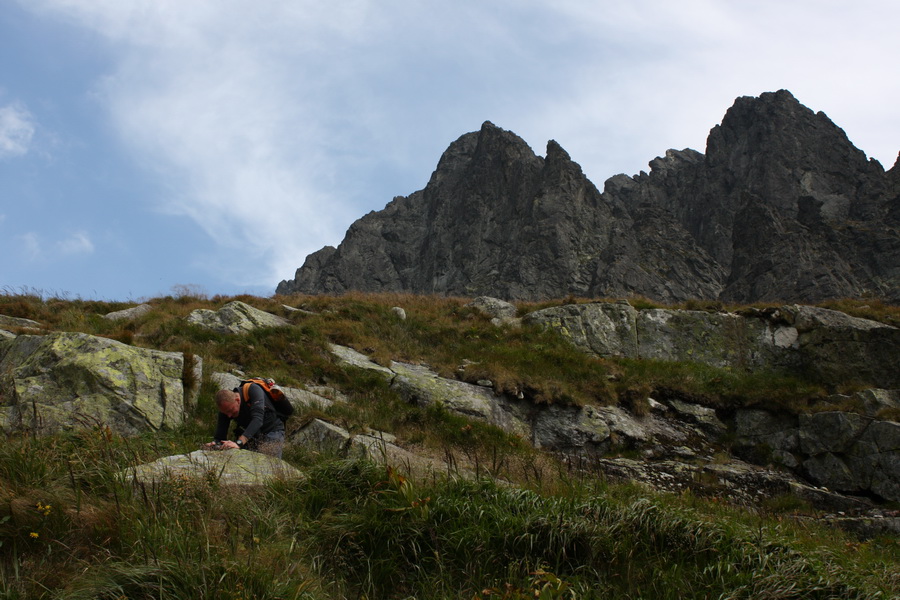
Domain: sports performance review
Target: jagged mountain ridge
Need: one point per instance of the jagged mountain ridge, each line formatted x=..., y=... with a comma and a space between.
x=782, y=207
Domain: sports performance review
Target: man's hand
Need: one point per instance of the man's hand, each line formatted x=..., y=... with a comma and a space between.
x=225, y=445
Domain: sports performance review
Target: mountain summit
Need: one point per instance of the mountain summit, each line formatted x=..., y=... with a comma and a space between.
x=782, y=207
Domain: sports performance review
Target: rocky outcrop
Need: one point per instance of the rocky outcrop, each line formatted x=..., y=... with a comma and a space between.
x=589, y=430
x=829, y=346
x=73, y=380
x=234, y=318
x=844, y=451
x=376, y=446
x=782, y=207
x=225, y=467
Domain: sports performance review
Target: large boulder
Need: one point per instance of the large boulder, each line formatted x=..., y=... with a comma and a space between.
x=227, y=467
x=234, y=318
x=349, y=357
x=128, y=314
x=73, y=380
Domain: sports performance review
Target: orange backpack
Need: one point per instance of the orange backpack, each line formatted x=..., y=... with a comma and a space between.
x=274, y=394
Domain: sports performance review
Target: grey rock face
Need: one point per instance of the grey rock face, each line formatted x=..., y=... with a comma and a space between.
x=843, y=451
x=67, y=381
x=764, y=437
x=589, y=430
x=234, y=318
x=601, y=328
x=379, y=447
x=829, y=345
x=838, y=348
x=782, y=207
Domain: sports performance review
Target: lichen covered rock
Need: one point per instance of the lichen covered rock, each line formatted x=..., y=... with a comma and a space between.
x=74, y=380
x=234, y=318
x=226, y=467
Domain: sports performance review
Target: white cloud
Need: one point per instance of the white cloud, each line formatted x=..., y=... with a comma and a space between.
x=77, y=243
x=35, y=249
x=274, y=123
x=16, y=130
x=30, y=246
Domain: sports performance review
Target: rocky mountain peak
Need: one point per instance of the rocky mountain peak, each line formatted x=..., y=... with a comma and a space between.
x=781, y=207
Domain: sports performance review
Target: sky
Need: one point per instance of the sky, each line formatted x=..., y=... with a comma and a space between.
x=162, y=147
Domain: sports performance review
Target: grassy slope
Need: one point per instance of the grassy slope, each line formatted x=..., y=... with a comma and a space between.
x=69, y=529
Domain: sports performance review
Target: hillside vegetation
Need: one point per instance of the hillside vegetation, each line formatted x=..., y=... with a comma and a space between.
x=529, y=526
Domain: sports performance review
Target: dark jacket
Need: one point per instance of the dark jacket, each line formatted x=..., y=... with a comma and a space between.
x=256, y=418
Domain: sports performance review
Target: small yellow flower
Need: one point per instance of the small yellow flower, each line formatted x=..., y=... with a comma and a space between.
x=33, y=535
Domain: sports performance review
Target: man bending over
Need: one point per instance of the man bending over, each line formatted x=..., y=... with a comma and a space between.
x=258, y=426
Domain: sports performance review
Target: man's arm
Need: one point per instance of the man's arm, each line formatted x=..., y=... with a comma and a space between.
x=222, y=426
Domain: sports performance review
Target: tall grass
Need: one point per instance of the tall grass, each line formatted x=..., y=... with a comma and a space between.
x=463, y=539
x=70, y=527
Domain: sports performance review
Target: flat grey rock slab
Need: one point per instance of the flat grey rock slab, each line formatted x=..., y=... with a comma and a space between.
x=228, y=467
